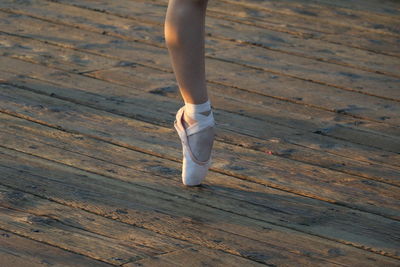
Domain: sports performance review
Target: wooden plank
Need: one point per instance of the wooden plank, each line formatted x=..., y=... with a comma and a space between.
x=193, y=257
x=306, y=46
x=357, y=107
x=344, y=36
x=123, y=231
x=385, y=138
x=301, y=92
x=22, y=201
x=48, y=55
x=239, y=11
x=376, y=8
x=73, y=239
x=388, y=115
x=71, y=216
x=18, y=251
x=369, y=105
x=390, y=8
x=224, y=192
x=255, y=166
x=172, y=216
x=293, y=66
x=151, y=210
x=248, y=254
x=357, y=19
x=283, y=141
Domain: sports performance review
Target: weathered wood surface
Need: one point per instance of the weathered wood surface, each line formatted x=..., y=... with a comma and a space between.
x=16, y=250
x=307, y=155
x=136, y=107
x=195, y=223
x=50, y=144
x=389, y=109
x=272, y=61
x=230, y=159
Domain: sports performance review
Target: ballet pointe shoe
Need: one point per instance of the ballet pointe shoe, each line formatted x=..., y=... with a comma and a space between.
x=194, y=171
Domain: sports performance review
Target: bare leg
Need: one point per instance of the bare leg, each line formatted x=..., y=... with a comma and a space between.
x=184, y=35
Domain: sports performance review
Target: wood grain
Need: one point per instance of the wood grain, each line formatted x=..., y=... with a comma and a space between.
x=284, y=141
x=18, y=251
x=284, y=209
x=306, y=159
x=247, y=164
x=171, y=216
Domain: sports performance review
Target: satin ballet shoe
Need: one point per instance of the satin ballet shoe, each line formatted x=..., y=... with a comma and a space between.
x=194, y=171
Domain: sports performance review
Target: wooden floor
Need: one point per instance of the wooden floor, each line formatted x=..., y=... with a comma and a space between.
x=306, y=170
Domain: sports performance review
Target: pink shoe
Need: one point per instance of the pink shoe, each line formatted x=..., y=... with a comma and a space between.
x=193, y=170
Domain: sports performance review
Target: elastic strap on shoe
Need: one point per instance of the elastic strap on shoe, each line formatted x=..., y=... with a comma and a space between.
x=202, y=121
x=200, y=125
x=194, y=110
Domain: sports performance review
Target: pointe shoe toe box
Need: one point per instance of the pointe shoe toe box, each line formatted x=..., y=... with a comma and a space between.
x=193, y=170
x=193, y=173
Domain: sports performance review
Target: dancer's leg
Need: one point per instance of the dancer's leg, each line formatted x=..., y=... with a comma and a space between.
x=184, y=36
